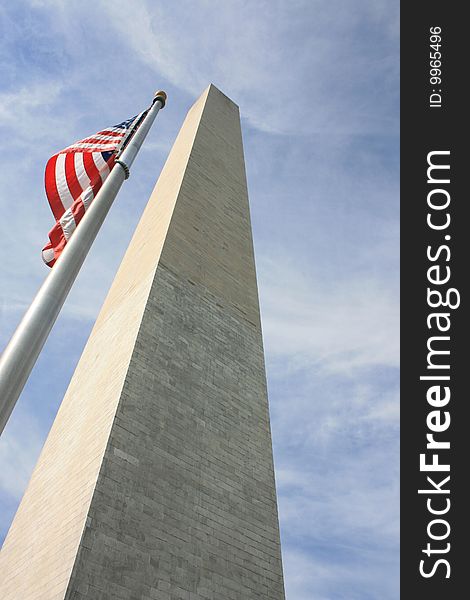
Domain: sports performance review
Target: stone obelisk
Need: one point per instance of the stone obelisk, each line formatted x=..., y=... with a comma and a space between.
x=156, y=481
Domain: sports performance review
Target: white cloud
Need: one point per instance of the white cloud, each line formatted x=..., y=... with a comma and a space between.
x=367, y=577
x=18, y=111
x=335, y=326
x=332, y=356
x=336, y=452
x=276, y=62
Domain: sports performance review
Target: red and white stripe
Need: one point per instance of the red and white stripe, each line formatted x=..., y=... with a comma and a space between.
x=72, y=179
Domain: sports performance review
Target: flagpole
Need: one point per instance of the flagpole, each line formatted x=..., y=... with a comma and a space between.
x=26, y=343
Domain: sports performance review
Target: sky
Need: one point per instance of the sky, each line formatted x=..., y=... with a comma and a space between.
x=317, y=82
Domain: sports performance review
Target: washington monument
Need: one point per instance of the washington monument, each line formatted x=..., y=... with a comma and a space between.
x=156, y=481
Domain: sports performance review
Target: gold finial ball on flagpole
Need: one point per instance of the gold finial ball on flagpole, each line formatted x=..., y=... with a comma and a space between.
x=160, y=95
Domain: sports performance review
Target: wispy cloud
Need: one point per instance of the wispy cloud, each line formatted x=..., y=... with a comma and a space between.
x=332, y=357
x=17, y=107
x=335, y=327
x=278, y=59
x=319, y=580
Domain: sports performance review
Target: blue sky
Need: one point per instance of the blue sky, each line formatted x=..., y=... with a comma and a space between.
x=317, y=85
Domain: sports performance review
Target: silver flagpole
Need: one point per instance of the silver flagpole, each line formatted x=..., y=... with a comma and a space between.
x=24, y=347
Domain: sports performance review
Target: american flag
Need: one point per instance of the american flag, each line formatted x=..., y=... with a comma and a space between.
x=74, y=176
